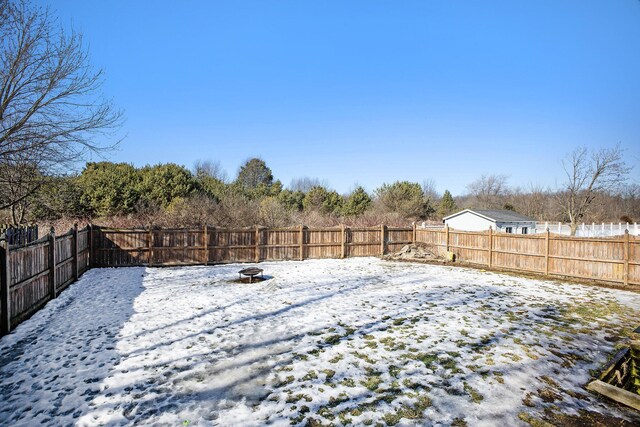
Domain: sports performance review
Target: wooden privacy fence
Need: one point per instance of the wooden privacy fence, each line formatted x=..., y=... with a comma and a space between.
x=209, y=245
x=18, y=234
x=608, y=259
x=33, y=274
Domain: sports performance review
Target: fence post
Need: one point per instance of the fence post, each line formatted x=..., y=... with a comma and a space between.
x=301, y=242
x=90, y=242
x=343, y=241
x=257, y=243
x=150, y=262
x=5, y=294
x=383, y=239
x=205, y=241
x=414, y=237
x=490, y=246
x=52, y=263
x=446, y=230
x=626, y=258
x=75, y=251
x=213, y=232
x=546, y=252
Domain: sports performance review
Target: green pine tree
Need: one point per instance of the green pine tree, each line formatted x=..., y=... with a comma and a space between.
x=447, y=205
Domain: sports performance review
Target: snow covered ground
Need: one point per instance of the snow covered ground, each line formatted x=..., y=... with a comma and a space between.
x=320, y=342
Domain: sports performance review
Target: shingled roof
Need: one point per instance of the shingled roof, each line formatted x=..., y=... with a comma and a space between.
x=497, y=215
x=503, y=215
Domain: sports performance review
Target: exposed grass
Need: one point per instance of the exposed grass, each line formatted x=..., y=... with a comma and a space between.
x=348, y=382
x=372, y=381
x=329, y=373
x=427, y=358
x=476, y=397
x=393, y=367
x=337, y=358
x=333, y=339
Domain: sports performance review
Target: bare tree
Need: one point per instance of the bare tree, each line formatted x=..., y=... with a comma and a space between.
x=589, y=175
x=305, y=184
x=429, y=190
x=210, y=168
x=532, y=202
x=489, y=190
x=51, y=108
x=18, y=181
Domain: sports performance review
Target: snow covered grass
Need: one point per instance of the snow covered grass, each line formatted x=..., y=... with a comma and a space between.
x=358, y=341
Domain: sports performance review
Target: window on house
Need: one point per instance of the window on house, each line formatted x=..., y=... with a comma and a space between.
x=525, y=230
x=508, y=230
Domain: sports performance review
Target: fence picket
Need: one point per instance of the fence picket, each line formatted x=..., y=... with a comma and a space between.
x=5, y=295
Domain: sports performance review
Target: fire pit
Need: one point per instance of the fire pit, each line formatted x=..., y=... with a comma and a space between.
x=250, y=272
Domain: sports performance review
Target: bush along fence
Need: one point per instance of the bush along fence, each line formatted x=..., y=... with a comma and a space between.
x=36, y=273
x=18, y=234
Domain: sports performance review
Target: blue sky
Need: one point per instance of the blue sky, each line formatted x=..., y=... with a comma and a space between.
x=369, y=92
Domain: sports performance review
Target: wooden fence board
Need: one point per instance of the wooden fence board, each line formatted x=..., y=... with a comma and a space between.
x=83, y=251
x=397, y=238
x=118, y=248
x=514, y=251
x=280, y=244
x=362, y=242
x=600, y=259
x=323, y=243
x=20, y=235
x=470, y=247
x=29, y=271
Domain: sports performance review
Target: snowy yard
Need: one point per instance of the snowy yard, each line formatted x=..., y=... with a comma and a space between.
x=321, y=342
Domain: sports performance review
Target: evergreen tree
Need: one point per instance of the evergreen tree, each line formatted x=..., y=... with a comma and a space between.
x=323, y=200
x=357, y=202
x=291, y=200
x=253, y=174
x=405, y=198
x=255, y=180
x=447, y=205
x=161, y=184
x=110, y=188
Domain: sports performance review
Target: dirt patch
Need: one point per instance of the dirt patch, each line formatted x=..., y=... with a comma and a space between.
x=415, y=251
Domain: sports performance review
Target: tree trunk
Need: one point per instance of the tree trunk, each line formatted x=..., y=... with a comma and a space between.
x=574, y=228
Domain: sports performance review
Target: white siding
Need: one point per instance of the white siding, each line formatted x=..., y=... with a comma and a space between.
x=469, y=222
x=517, y=227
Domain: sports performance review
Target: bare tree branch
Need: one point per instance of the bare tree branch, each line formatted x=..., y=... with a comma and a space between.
x=51, y=107
x=489, y=190
x=590, y=174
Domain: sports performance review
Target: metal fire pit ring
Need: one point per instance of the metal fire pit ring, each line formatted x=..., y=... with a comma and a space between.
x=250, y=272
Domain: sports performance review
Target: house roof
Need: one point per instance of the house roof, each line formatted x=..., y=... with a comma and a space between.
x=495, y=215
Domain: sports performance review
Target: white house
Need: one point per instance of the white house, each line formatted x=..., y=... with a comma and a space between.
x=499, y=220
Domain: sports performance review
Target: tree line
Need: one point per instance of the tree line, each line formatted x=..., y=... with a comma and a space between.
x=171, y=195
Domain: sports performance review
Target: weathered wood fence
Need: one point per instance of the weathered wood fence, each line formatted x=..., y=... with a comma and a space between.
x=18, y=234
x=608, y=259
x=209, y=245
x=33, y=274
